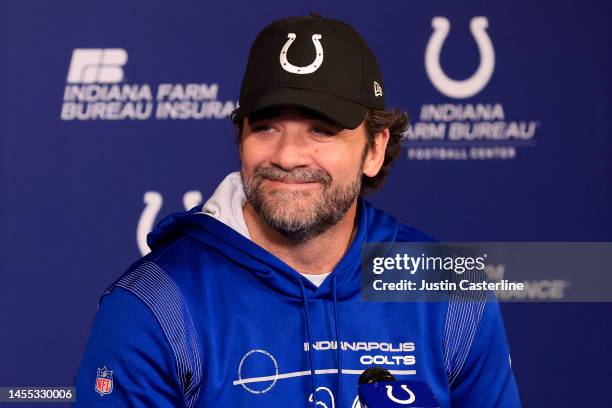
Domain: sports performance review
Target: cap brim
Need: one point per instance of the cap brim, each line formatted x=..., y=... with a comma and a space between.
x=345, y=112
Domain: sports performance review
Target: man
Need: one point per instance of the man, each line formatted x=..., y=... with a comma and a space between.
x=254, y=298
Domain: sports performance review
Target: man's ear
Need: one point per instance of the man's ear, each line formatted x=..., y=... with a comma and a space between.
x=376, y=153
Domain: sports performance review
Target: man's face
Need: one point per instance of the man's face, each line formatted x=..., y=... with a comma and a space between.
x=301, y=173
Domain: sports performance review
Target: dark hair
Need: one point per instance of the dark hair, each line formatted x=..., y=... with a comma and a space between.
x=376, y=121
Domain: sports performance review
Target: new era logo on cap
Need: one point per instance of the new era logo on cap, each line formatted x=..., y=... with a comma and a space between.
x=377, y=89
x=313, y=62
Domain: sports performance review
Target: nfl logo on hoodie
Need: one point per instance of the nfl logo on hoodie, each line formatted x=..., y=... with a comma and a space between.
x=104, y=381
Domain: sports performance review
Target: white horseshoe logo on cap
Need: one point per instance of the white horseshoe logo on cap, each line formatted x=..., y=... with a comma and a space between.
x=472, y=85
x=411, y=396
x=308, y=69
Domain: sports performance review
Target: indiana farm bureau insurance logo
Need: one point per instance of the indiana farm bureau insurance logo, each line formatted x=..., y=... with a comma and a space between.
x=95, y=90
x=465, y=131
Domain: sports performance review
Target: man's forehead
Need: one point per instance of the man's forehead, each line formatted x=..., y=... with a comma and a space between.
x=290, y=111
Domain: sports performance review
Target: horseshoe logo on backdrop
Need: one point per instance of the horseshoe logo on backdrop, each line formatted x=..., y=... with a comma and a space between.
x=153, y=201
x=411, y=396
x=308, y=69
x=472, y=85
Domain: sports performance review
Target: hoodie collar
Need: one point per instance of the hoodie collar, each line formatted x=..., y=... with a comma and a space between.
x=221, y=230
x=226, y=205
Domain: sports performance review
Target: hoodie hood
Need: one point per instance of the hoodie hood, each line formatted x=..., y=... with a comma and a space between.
x=226, y=204
x=210, y=224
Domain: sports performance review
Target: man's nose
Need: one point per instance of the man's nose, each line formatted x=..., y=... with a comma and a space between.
x=292, y=150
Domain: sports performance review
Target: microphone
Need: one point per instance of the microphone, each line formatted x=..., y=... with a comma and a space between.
x=379, y=389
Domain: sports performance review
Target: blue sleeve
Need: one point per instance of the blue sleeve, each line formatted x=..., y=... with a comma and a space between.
x=486, y=379
x=127, y=340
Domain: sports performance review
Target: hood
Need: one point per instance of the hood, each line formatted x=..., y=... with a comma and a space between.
x=217, y=224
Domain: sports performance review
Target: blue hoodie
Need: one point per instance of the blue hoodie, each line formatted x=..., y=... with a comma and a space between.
x=209, y=318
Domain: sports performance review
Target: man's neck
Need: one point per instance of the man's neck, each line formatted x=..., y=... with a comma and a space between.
x=317, y=255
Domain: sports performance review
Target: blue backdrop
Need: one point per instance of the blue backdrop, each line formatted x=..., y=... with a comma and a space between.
x=101, y=135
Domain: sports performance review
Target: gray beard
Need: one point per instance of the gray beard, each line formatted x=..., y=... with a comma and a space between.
x=281, y=209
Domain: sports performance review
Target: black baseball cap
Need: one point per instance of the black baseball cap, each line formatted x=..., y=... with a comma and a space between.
x=312, y=62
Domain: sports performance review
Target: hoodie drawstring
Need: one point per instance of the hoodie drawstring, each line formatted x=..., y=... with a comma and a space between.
x=309, y=335
x=309, y=338
x=338, y=347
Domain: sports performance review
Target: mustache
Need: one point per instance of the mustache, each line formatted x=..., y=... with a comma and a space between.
x=298, y=175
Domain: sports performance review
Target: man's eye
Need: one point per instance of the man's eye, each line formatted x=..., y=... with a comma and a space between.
x=321, y=131
x=262, y=129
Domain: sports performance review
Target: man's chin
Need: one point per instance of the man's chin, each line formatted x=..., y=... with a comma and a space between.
x=288, y=207
x=300, y=212
x=292, y=225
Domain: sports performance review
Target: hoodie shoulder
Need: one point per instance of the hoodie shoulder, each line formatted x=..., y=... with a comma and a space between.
x=170, y=227
x=406, y=233
x=158, y=292
x=383, y=227
x=155, y=281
